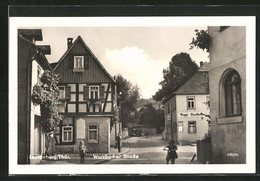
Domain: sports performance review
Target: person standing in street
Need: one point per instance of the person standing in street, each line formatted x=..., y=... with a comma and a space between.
x=171, y=152
x=118, y=141
x=82, y=150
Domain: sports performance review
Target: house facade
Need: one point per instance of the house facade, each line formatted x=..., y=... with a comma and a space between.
x=88, y=99
x=228, y=93
x=187, y=109
x=31, y=64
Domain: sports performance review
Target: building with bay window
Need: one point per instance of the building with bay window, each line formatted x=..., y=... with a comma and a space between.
x=87, y=100
x=227, y=82
x=187, y=109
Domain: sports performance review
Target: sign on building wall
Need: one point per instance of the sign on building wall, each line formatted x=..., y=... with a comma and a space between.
x=191, y=114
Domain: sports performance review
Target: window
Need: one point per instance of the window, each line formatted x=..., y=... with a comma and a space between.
x=190, y=102
x=62, y=92
x=93, y=92
x=67, y=133
x=180, y=127
x=192, y=127
x=233, y=94
x=93, y=133
x=38, y=74
x=78, y=64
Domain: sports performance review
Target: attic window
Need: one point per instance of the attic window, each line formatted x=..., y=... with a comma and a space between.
x=78, y=64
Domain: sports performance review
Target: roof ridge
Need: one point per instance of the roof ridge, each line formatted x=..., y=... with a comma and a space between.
x=93, y=55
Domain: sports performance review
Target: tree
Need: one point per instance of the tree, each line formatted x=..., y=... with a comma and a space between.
x=148, y=115
x=130, y=95
x=181, y=68
x=201, y=40
x=46, y=94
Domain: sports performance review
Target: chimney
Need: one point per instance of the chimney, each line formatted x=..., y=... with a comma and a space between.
x=201, y=63
x=69, y=42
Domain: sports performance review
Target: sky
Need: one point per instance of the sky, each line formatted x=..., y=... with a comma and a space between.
x=139, y=54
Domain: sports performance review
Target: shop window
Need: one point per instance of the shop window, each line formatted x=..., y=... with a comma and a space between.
x=190, y=102
x=67, y=133
x=93, y=133
x=192, y=127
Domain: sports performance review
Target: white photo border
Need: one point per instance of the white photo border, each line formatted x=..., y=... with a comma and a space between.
x=248, y=21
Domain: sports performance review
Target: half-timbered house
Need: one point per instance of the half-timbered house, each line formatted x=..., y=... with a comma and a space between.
x=87, y=96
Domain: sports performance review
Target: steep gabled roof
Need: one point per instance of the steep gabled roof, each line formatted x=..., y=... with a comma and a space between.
x=204, y=67
x=71, y=47
x=197, y=84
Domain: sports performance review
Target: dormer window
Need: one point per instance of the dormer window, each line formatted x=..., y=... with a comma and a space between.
x=78, y=64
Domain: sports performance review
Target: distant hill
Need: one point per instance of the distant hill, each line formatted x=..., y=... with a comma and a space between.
x=142, y=102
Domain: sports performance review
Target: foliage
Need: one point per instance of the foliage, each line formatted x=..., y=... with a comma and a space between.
x=207, y=136
x=180, y=69
x=130, y=95
x=148, y=115
x=46, y=94
x=201, y=41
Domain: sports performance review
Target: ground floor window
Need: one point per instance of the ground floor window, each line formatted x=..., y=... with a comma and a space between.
x=192, y=127
x=93, y=133
x=180, y=127
x=67, y=133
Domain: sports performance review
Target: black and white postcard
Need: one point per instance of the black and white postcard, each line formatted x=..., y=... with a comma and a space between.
x=132, y=95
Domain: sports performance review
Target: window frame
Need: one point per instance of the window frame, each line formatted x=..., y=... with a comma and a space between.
x=64, y=94
x=62, y=133
x=194, y=103
x=228, y=85
x=75, y=62
x=180, y=125
x=97, y=133
x=98, y=92
x=189, y=130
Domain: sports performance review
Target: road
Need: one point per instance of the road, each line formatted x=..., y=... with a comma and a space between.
x=150, y=151
x=135, y=150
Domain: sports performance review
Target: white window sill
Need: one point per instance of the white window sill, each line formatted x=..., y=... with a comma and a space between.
x=92, y=141
x=227, y=120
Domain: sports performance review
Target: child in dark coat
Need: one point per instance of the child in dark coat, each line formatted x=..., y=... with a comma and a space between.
x=171, y=152
x=82, y=150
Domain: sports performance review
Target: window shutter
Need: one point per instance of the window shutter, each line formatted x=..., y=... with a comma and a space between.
x=102, y=93
x=86, y=61
x=71, y=61
x=86, y=92
x=67, y=92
